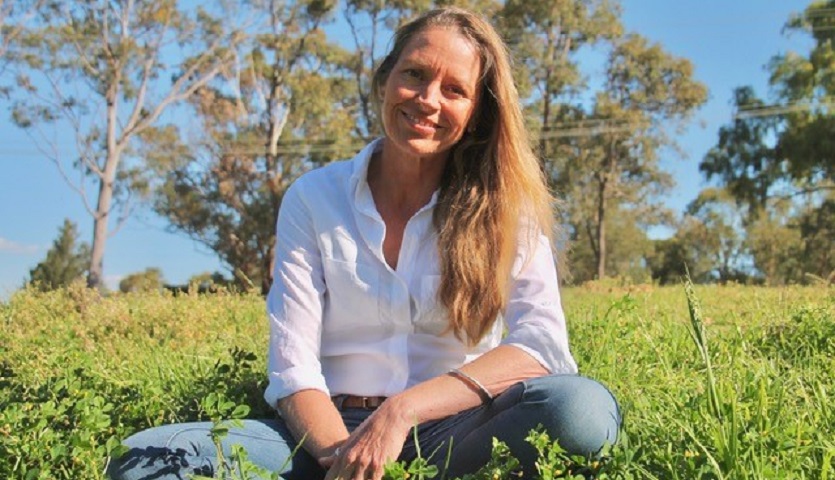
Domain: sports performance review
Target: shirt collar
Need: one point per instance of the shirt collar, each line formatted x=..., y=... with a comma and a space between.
x=358, y=184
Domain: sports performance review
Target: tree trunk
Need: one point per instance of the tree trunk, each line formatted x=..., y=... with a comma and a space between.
x=95, y=276
x=546, y=119
x=107, y=177
x=276, y=126
x=601, y=230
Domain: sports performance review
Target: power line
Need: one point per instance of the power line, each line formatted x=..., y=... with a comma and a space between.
x=744, y=112
x=819, y=12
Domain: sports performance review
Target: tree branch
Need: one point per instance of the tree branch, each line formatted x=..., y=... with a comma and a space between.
x=146, y=75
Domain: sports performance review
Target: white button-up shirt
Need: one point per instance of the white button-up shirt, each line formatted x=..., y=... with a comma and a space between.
x=344, y=322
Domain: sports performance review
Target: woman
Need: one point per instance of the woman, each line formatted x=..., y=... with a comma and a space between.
x=397, y=273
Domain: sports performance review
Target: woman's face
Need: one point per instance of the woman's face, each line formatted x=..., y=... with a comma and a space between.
x=431, y=93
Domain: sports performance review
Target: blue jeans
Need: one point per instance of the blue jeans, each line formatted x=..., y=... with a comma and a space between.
x=581, y=413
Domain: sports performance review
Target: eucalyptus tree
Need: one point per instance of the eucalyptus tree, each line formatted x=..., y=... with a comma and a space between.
x=103, y=73
x=370, y=23
x=716, y=234
x=805, y=83
x=16, y=17
x=545, y=38
x=277, y=113
x=613, y=157
x=784, y=149
x=745, y=158
x=297, y=100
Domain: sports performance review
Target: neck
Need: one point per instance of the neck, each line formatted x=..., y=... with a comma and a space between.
x=404, y=183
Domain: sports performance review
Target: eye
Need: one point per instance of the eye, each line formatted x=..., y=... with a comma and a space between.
x=455, y=91
x=412, y=73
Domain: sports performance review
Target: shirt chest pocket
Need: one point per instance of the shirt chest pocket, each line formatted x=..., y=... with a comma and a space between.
x=352, y=295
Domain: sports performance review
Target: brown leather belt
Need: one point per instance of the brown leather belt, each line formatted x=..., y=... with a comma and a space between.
x=352, y=401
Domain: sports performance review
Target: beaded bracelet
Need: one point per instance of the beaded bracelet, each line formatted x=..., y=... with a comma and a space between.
x=483, y=392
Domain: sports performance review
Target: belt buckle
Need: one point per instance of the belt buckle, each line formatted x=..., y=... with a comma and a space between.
x=365, y=403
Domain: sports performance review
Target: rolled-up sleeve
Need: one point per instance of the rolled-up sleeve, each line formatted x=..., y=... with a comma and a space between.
x=534, y=317
x=295, y=302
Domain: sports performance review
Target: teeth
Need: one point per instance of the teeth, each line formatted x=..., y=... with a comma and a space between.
x=423, y=123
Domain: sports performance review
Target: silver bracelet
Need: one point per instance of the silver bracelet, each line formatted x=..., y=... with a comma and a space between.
x=483, y=392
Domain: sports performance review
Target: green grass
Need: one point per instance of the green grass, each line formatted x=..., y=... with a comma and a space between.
x=739, y=386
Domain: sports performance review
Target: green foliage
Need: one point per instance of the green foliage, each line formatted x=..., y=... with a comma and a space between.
x=146, y=281
x=609, y=166
x=79, y=371
x=709, y=243
x=66, y=261
x=806, y=139
x=223, y=189
x=774, y=150
x=502, y=464
x=745, y=158
x=97, y=71
x=275, y=95
x=795, y=245
x=226, y=414
x=627, y=245
x=817, y=232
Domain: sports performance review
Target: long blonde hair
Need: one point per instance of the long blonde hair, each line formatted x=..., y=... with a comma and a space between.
x=492, y=184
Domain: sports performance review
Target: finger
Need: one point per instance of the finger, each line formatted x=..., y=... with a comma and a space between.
x=334, y=472
x=344, y=471
x=376, y=474
x=359, y=473
x=327, y=462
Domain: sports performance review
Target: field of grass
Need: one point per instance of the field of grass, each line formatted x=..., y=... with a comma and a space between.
x=744, y=390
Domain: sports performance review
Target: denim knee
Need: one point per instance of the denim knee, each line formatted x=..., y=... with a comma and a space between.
x=577, y=411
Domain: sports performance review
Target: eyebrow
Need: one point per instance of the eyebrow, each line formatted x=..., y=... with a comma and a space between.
x=458, y=81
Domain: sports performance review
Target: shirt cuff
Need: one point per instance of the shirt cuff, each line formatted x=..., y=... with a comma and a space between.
x=294, y=379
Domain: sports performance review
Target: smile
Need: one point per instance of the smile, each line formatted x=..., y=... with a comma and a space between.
x=420, y=122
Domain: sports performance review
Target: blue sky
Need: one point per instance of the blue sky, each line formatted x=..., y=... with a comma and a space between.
x=729, y=42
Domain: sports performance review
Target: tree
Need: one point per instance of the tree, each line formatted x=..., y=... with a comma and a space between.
x=297, y=101
x=615, y=158
x=807, y=86
x=669, y=261
x=545, y=38
x=714, y=231
x=103, y=69
x=15, y=16
x=629, y=242
x=745, y=158
x=65, y=262
x=785, y=149
x=208, y=282
x=259, y=129
x=817, y=232
x=791, y=244
x=775, y=246
x=708, y=243
x=149, y=280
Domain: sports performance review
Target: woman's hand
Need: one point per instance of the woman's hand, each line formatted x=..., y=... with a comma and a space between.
x=377, y=441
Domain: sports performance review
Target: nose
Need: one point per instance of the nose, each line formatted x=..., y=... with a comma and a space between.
x=429, y=94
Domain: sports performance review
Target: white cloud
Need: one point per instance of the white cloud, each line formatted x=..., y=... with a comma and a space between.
x=8, y=246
